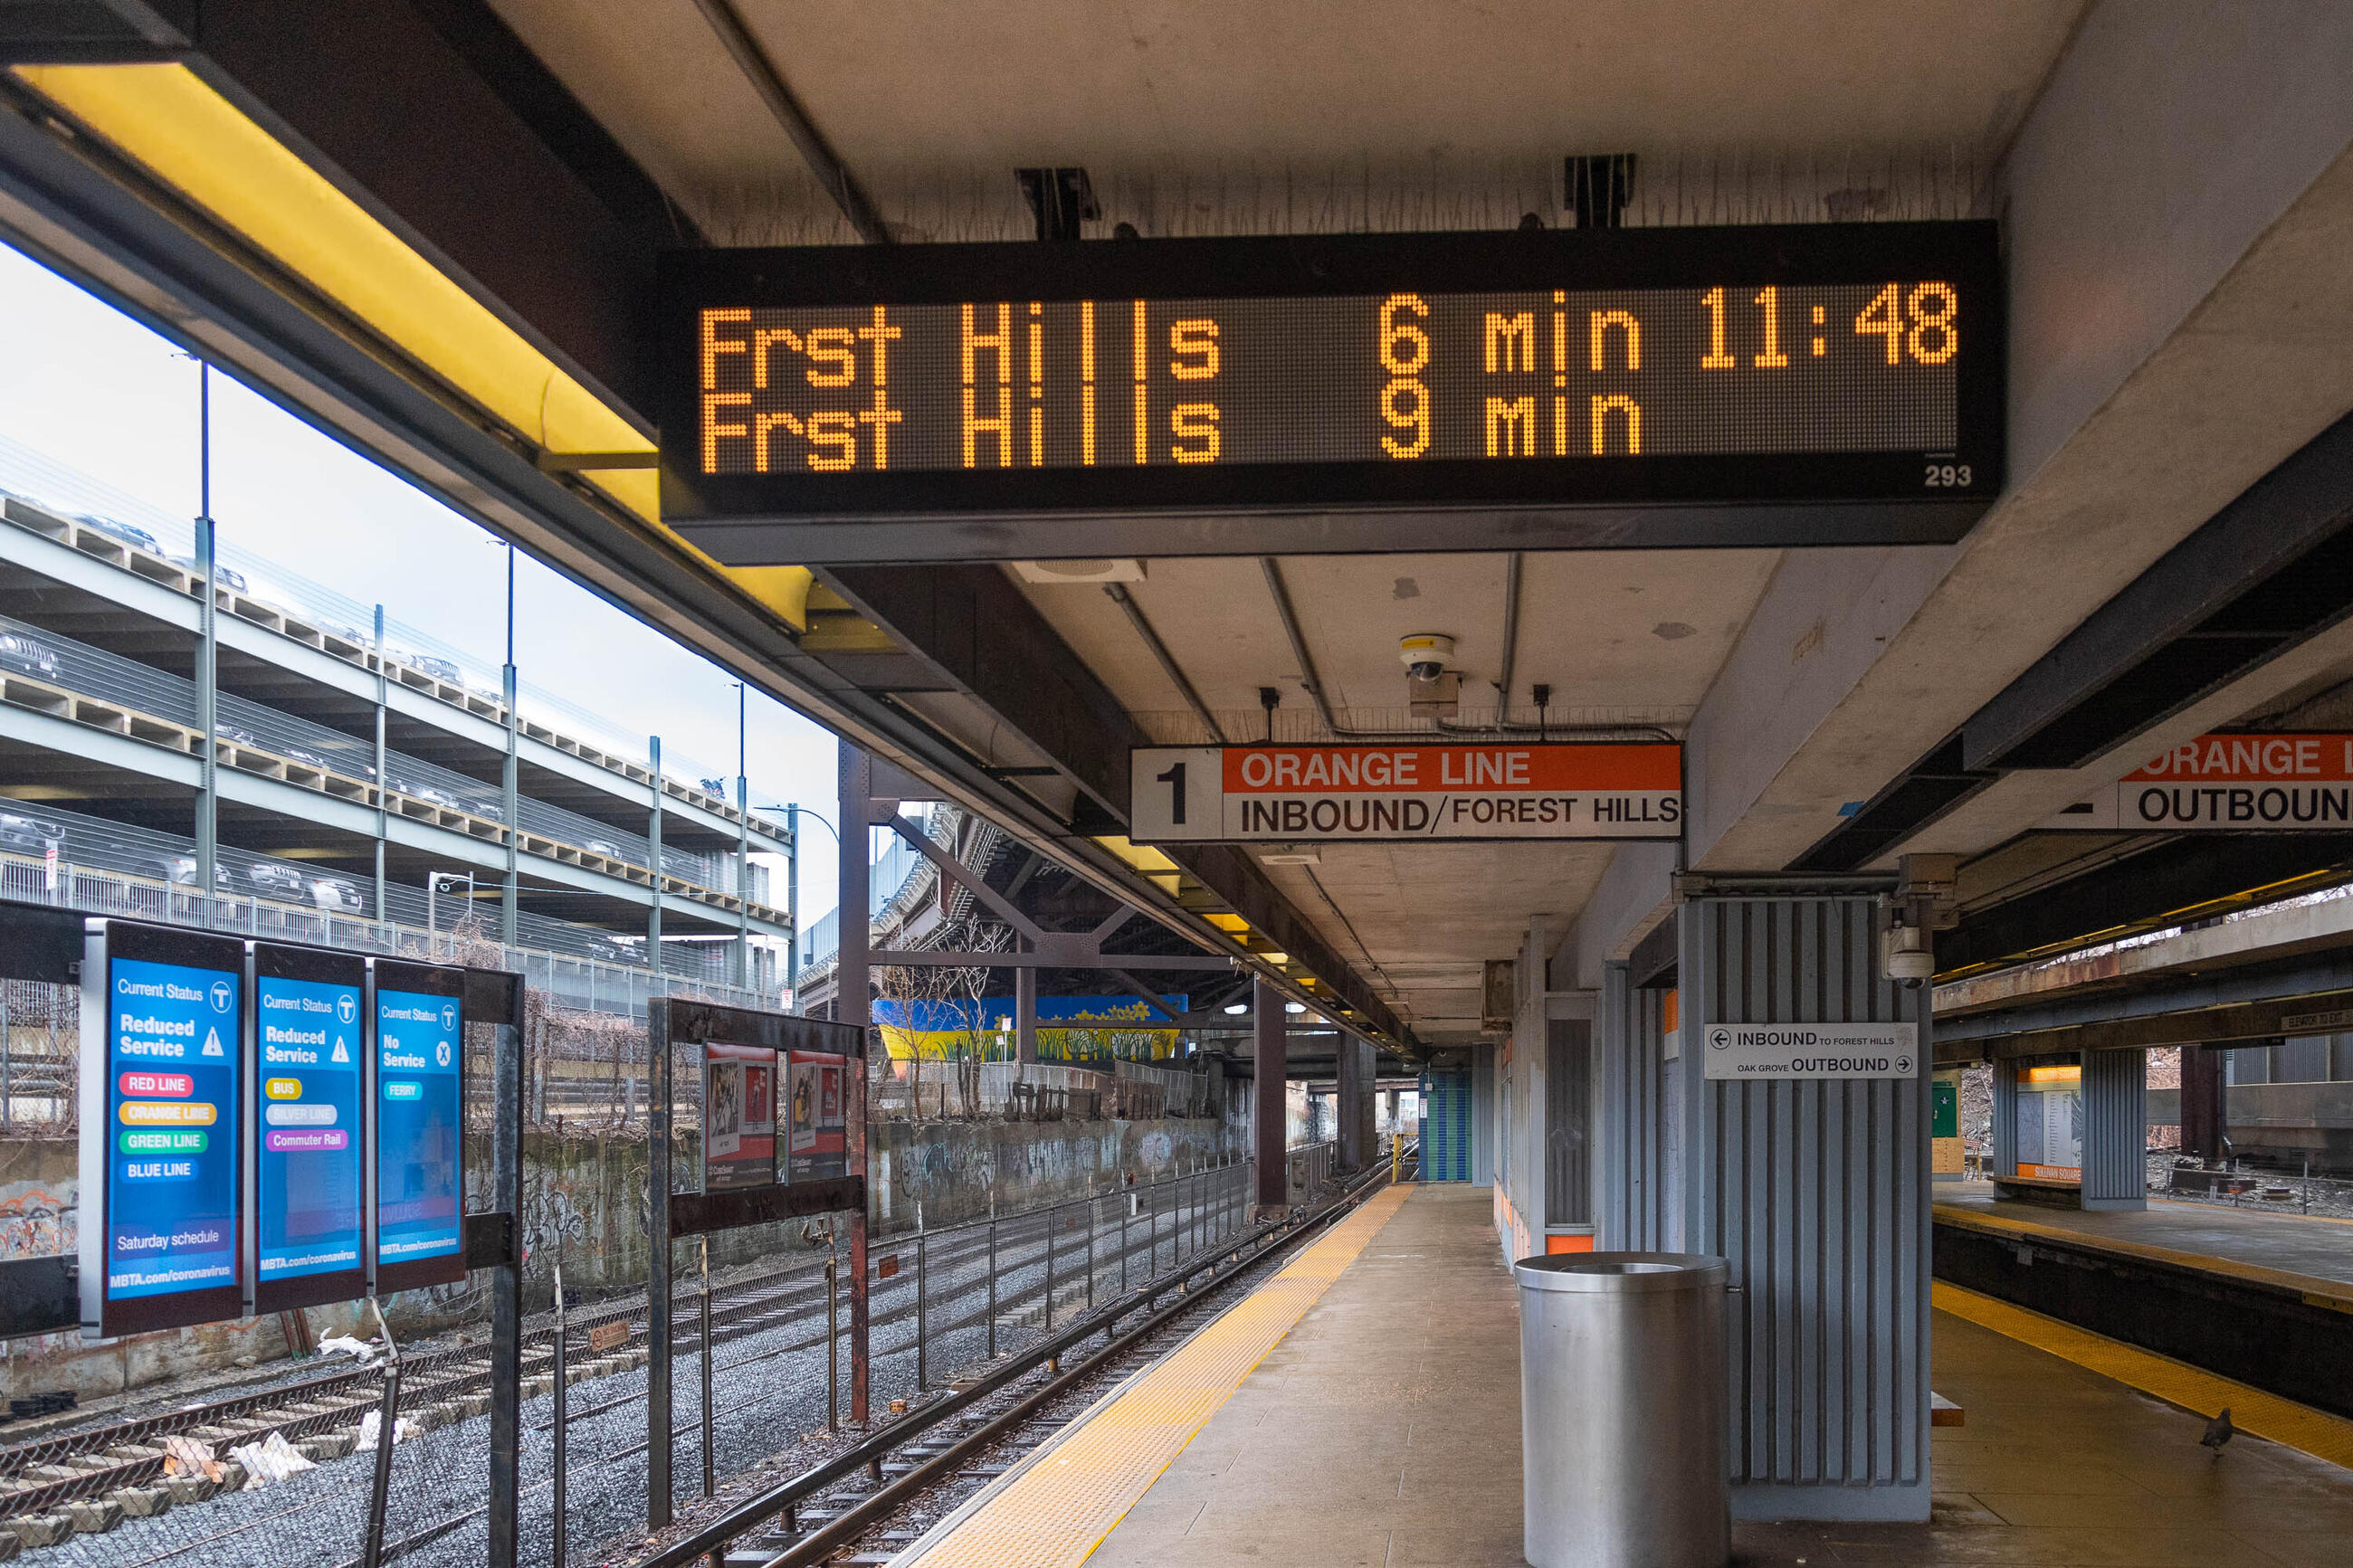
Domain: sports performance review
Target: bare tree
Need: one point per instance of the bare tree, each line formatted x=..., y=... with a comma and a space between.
x=958, y=993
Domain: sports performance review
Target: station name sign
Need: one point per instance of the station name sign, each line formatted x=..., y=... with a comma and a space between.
x=2265, y=783
x=1470, y=790
x=1798, y=366
x=1777, y=1051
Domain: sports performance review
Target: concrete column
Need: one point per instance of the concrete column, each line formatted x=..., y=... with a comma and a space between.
x=1353, y=1103
x=1269, y=1031
x=2005, y=1119
x=2115, y=1129
x=1024, y=1015
x=1815, y=1190
x=2205, y=1102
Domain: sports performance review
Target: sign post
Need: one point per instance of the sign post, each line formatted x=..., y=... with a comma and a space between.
x=740, y=1060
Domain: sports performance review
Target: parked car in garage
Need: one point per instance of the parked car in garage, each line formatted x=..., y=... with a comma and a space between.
x=28, y=656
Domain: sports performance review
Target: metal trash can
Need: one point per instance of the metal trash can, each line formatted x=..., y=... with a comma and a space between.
x=1623, y=1410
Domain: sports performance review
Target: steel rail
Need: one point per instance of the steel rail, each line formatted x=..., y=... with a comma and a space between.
x=1273, y=1238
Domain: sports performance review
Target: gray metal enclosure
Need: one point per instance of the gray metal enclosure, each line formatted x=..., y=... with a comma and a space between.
x=1817, y=1192
x=1632, y=1129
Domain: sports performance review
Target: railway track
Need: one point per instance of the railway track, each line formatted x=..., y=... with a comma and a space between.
x=93, y=1478
x=864, y=1505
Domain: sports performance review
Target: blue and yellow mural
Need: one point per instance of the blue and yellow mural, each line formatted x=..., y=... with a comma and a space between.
x=1074, y=1030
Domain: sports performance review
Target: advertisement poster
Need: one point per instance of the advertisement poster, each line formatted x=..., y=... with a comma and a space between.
x=2050, y=1123
x=739, y=1116
x=420, y=1071
x=818, y=1139
x=1945, y=1125
x=175, y=1043
x=308, y=1197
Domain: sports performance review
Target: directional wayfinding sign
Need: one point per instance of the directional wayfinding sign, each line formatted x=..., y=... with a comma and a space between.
x=310, y=1173
x=163, y=1056
x=2274, y=782
x=1296, y=793
x=1810, y=1050
x=420, y=1063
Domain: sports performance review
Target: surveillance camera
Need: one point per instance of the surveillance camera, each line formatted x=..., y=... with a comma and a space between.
x=1425, y=654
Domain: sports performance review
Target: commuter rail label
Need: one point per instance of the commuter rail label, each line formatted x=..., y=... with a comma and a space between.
x=1770, y=1051
x=1375, y=793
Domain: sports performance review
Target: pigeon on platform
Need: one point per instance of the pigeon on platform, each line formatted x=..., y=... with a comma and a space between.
x=2219, y=1431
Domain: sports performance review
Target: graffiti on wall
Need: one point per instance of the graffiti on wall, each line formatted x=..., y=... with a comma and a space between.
x=38, y=1219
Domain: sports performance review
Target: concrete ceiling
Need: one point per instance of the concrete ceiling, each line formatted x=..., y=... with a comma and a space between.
x=1623, y=637
x=2172, y=340
x=935, y=104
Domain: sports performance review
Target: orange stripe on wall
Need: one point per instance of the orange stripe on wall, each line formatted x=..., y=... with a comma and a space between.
x=1569, y=1244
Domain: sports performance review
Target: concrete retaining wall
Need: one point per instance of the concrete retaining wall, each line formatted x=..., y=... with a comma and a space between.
x=587, y=1197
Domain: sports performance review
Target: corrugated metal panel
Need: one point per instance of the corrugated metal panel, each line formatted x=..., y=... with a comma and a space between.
x=1818, y=1194
x=2115, y=1126
x=1446, y=1127
x=1568, y=1120
x=1632, y=1121
x=2304, y=1060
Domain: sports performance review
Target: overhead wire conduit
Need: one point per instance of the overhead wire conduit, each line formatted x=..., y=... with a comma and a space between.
x=1313, y=682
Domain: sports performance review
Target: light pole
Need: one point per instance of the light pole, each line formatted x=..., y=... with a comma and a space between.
x=433, y=880
x=510, y=897
x=208, y=649
x=793, y=815
x=743, y=839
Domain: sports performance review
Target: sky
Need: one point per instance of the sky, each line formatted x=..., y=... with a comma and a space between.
x=89, y=388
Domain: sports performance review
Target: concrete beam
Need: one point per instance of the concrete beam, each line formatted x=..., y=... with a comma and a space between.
x=2176, y=210
x=2257, y=936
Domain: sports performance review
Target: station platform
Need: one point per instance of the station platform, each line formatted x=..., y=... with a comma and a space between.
x=1362, y=1408
x=2315, y=1252
x=2263, y=1298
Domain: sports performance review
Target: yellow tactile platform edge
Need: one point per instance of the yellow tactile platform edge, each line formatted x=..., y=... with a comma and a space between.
x=2316, y=1432
x=1058, y=1511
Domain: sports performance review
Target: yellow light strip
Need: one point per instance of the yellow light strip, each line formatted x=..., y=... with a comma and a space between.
x=2053, y=1075
x=165, y=117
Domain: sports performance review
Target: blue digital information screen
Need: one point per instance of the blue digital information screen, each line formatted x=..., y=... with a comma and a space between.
x=308, y=1185
x=419, y=1077
x=173, y=1055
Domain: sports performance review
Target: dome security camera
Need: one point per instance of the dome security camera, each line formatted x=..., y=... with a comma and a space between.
x=1426, y=654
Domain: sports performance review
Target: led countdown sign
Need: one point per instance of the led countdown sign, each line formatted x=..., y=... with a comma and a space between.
x=1800, y=369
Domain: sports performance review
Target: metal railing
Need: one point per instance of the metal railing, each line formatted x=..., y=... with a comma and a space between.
x=562, y=960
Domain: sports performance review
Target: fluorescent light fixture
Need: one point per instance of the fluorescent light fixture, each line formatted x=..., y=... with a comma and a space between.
x=165, y=117
x=1293, y=1008
x=1238, y=1009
